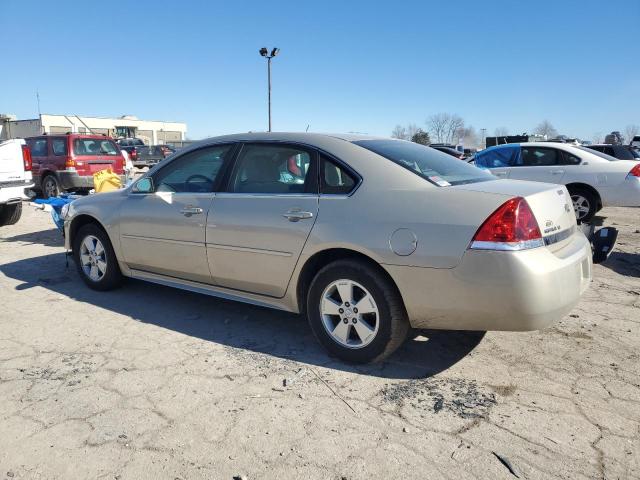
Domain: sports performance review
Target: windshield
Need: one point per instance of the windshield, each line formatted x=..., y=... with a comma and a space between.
x=436, y=167
x=598, y=153
x=94, y=146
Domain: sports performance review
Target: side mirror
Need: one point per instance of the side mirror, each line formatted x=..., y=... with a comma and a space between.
x=144, y=185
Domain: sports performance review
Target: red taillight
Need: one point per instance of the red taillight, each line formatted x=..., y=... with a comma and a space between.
x=26, y=158
x=510, y=227
x=133, y=154
x=635, y=171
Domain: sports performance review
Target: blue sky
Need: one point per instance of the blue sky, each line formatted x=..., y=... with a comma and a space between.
x=344, y=66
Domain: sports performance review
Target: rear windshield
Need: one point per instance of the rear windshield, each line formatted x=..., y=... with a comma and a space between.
x=436, y=167
x=94, y=146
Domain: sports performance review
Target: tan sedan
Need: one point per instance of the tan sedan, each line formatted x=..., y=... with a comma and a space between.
x=367, y=237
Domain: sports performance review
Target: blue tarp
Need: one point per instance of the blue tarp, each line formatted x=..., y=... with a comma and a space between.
x=499, y=156
x=56, y=206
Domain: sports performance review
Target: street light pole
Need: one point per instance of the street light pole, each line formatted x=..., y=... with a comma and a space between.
x=265, y=53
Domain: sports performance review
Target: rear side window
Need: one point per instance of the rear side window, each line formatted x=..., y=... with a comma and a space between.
x=59, y=146
x=569, y=159
x=539, y=157
x=94, y=147
x=277, y=169
x=38, y=147
x=436, y=167
x=335, y=179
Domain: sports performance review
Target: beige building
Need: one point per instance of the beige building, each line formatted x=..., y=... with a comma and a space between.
x=152, y=132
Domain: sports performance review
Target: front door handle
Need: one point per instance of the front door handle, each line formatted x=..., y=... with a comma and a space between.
x=191, y=210
x=500, y=174
x=557, y=172
x=295, y=215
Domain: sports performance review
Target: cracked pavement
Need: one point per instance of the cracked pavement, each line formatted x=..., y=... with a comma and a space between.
x=151, y=382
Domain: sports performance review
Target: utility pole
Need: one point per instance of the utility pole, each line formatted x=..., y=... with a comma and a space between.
x=265, y=53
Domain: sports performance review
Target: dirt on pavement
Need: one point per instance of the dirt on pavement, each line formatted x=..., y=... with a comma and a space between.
x=152, y=382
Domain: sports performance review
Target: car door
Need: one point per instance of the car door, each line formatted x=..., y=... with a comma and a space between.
x=162, y=229
x=499, y=160
x=39, y=152
x=256, y=229
x=539, y=164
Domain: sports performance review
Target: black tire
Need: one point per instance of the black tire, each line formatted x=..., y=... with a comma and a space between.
x=587, y=200
x=112, y=277
x=10, y=214
x=393, y=323
x=50, y=187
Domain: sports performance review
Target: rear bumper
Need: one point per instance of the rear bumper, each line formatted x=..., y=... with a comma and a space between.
x=71, y=180
x=14, y=191
x=489, y=290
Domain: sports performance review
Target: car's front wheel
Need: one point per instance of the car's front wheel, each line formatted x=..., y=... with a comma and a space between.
x=355, y=312
x=95, y=259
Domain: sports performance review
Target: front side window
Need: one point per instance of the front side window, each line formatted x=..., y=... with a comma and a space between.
x=335, y=179
x=94, y=147
x=38, y=147
x=539, y=157
x=193, y=172
x=59, y=146
x=273, y=169
x=436, y=167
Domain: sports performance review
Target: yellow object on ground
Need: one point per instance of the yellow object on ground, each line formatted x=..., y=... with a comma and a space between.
x=106, y=181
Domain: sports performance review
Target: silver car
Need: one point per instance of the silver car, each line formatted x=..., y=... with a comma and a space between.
x=368, y=237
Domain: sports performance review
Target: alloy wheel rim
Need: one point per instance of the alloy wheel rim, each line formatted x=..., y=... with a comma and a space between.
x=93, y=258
x=50, y=188
x=581, y=206
x=349, y=314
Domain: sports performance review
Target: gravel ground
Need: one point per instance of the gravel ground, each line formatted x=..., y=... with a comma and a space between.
x=151, y=382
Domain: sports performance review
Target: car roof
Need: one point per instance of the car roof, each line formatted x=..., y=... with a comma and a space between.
x=292, y=136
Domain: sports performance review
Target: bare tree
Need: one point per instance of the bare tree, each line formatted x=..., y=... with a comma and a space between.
x=545, y=128
x=631, y=131
x=412, y=129
x=597, y=137
x=501, y=132
x=399, y=132
x=445, y=127
x=468, y=136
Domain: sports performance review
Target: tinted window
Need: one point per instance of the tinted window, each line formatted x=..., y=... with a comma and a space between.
x=272, y=169
x=38, y=147
x=195, y=172
x=569, y=159
x=539, y=157
x=59, y=146
x=436, y=167
x=335, y=179
x=94, y=146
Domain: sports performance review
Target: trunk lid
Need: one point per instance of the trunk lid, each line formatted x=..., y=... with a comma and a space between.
x=551, y=205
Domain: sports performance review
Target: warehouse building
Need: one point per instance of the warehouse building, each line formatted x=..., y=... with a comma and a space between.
x=152, y=132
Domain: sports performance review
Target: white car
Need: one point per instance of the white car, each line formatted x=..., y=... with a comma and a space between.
x=15, y=177
x=594, y=180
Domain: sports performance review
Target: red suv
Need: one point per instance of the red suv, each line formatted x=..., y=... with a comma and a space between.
x=68, y=162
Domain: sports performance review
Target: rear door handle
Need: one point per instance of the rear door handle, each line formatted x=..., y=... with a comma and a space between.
x=500, y=174
x=557, y=172
x=296, y=215
x=191, y=210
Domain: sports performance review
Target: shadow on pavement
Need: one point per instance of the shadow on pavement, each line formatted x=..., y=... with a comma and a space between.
x=624, y=263
x=237, y=325
x=48, y=238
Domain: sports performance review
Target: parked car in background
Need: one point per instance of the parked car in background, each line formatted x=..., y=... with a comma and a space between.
x=15, y=177
x=367, y=236
x=593, y=178
x=142, y=155
x=67, y=162
x=635, y=142
x=449, y=151
x=621, y=152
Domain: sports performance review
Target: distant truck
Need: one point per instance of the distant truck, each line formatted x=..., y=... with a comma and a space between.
x=142, y=155
x=15, y=178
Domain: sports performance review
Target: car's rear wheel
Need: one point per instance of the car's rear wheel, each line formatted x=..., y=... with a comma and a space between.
x=10, y=214
x=95, y=259
x=355, y=312
x=50, y=186
x=585, y=204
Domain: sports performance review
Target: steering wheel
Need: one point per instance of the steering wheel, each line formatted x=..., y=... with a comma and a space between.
x=198, y=187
